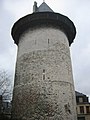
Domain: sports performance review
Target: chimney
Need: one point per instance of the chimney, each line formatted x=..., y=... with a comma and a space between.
x=35, y=7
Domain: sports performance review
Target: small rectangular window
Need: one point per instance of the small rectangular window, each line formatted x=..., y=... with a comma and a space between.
x=81, y=109
x=87, y=109
x=80, y=99
x=44, y=77
x=43, y=70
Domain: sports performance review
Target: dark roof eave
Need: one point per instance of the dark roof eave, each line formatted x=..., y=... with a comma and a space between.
x=46, y=18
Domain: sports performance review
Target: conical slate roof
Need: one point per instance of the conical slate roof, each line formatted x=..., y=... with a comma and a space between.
x=44, y=8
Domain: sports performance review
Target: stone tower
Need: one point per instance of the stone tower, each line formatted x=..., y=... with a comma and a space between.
x=44, y=88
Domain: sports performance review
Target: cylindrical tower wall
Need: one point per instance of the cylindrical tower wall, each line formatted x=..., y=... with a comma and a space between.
x=44, y=88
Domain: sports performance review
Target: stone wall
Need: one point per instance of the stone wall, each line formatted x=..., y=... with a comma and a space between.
x=44, y=88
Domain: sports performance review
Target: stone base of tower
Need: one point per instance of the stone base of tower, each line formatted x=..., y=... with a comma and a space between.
x=31, y=102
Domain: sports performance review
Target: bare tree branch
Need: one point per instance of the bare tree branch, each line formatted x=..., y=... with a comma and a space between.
x=5, y=85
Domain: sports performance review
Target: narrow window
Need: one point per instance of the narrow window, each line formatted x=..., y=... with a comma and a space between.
x=87, y=109
x=43, y=70
x=43, y=74
x=81, y=109
x=48, y=41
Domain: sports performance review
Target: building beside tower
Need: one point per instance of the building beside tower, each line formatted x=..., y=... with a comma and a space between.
x=44, y=88
x=83, y=106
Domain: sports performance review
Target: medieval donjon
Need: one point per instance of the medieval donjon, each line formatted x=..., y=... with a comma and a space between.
x=44, y=88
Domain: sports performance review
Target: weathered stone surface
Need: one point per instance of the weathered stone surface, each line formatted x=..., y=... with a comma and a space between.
x=44, y=87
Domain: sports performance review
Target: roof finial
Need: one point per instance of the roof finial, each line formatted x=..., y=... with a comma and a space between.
x=43, y=0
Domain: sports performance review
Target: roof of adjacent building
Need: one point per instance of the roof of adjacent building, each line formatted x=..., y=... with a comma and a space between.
x=79, y=94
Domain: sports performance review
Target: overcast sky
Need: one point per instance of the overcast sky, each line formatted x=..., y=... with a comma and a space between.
x=77, y=10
